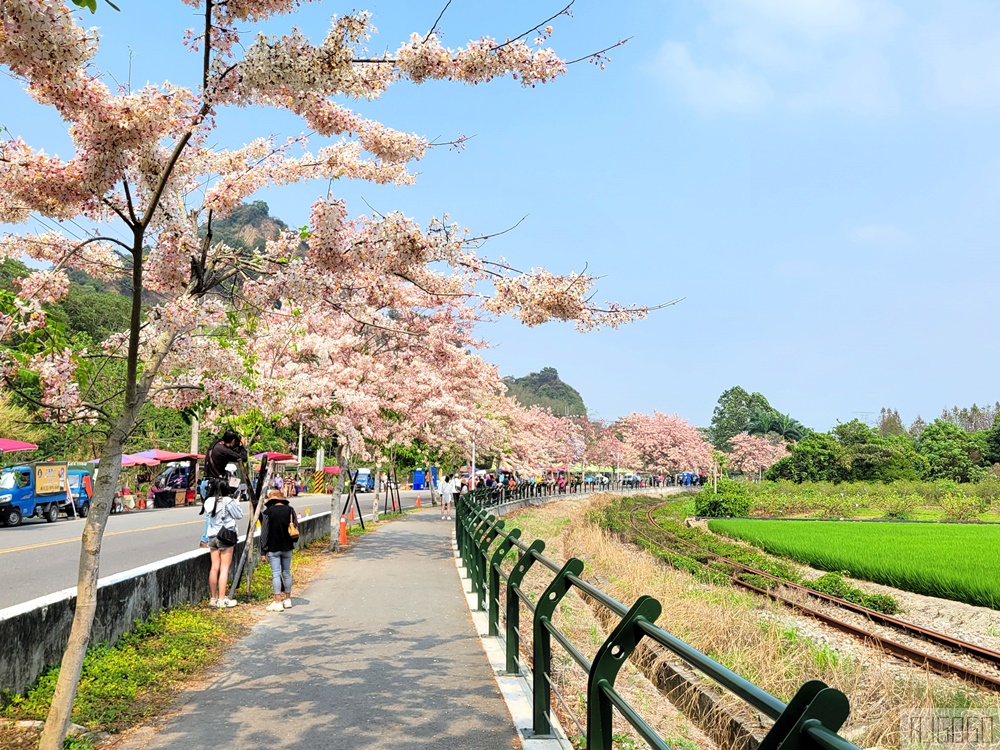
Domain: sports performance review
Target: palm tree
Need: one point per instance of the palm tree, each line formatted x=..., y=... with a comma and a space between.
x=761, y=421
x=767, y=421
x=787, y=428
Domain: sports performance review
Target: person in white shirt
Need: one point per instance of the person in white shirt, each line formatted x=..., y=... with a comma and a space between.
x=447, y=492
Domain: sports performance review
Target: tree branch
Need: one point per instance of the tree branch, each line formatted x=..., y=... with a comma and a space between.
x=434, y=27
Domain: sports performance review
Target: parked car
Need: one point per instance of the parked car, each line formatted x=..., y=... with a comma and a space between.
x=364, y=481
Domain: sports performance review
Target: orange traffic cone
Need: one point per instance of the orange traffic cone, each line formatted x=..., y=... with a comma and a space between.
x=418, y=502
x=343, y=530
x=350, y=516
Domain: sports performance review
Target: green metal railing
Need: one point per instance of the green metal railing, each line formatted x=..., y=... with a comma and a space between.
x=810, y=720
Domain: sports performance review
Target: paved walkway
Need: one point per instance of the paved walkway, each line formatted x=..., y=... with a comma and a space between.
x=379, y=651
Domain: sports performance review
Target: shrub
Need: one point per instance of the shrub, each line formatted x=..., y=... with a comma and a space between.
x=732, y=499
x=897, y=506
x=961, y=507
x=839, y=506
x=988, y=489
x=835, y=585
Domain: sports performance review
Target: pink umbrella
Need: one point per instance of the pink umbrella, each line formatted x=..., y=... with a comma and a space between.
x=135, y=460
x=158, y=455
x=128, y=460
x=274, y=456
x=8, y=445
x=332, y=469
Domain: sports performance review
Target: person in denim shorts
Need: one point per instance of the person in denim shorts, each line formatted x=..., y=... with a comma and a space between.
x=276, y=547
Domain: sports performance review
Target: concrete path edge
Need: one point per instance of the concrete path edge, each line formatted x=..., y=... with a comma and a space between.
x=515, y=689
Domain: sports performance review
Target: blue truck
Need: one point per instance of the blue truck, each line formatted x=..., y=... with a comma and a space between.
x=43, y=490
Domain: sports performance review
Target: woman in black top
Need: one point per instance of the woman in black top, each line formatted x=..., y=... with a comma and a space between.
x=276, y=547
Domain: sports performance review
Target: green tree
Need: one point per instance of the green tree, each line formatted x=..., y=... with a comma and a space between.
x=732, y=414
x=868, y=456
x=992, y=439
x=890, y=423
x=952, y=453
x=818, y=457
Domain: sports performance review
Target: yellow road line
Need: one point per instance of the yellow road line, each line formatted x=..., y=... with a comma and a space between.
x=39, y=545
x=53, y=543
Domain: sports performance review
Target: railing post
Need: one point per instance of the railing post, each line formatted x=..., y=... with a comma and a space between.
x=814, y=704
x=513, y=619
x=498, y=555
x=491, y=533
x=604, y=670
x=476, y=555
x=542, y=644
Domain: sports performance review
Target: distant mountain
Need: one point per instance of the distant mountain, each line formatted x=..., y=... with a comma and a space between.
x=248, y=227
x=546, y=390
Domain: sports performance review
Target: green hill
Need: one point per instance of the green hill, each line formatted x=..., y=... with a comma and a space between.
x=545, y=389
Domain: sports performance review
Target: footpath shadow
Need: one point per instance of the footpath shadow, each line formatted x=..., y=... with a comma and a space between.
x=382, y=653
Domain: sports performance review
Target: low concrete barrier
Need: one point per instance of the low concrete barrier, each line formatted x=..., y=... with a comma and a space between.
x=33, y=635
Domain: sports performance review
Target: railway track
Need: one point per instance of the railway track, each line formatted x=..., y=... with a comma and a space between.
x=888, y=645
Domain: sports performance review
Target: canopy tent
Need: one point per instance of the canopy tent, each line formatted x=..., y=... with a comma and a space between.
x=134, y=460
x=274, y=456
x=8, y=446
x=156, y=454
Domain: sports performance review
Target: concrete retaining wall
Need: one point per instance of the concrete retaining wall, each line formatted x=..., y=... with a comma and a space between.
x=33, y=635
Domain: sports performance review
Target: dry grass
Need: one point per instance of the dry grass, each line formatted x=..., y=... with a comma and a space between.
x=754, y=638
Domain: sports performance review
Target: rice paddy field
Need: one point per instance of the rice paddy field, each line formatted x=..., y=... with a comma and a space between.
x=952, y=561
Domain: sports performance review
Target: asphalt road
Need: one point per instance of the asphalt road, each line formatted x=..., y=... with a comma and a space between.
x=39, y=558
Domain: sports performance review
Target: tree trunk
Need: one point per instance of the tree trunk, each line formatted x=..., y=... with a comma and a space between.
x=137, y=391
x=430, y=485
x=336, y=497
x=57, y=721
x=378, y=490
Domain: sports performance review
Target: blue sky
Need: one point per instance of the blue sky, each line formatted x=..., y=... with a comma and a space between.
x=819, y=180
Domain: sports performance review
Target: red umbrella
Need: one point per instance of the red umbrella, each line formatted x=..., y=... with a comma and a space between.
x=332, y=469
x=8, y=445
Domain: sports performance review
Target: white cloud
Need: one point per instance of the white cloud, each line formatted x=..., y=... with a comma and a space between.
x=815, y=20
x=796, y=54
x=877, y=235
x=710, y=90
x=959, y=52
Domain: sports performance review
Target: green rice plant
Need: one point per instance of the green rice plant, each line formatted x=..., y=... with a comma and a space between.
x=951, y=561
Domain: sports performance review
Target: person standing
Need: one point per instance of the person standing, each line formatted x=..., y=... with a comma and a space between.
x=220, y=537
x=276, y=547
x=447, y=493
x=226, y=450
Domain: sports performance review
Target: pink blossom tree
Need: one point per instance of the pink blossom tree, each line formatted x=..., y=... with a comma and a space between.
x=145, y=159
x=753, y=454
x=665, y=443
